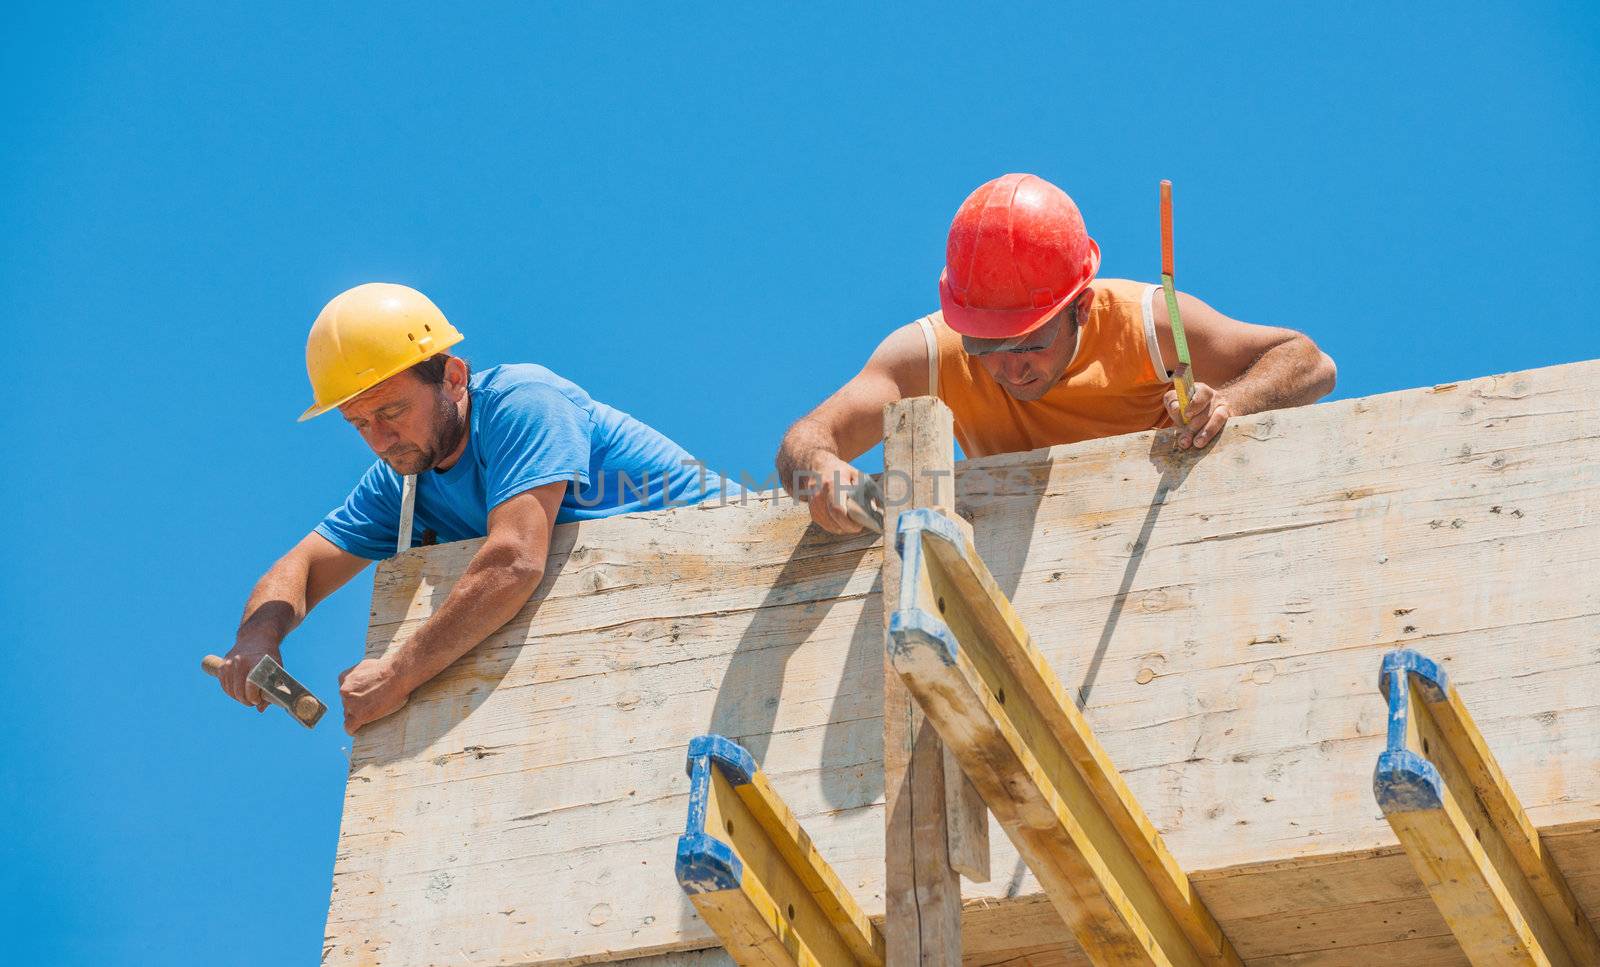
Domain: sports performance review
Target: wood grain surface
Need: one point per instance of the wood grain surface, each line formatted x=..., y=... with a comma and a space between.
x=1220, y=618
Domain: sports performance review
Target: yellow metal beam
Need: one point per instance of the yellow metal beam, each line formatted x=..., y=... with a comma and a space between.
x=966, y=658
x=755, y=876
x=1455, y=814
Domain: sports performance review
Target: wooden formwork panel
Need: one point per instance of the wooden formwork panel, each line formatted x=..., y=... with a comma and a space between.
x=1220, y=617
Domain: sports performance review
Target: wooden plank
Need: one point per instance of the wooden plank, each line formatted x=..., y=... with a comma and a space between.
x=922, y=890
x=969, y=663
x=524, y=808
x=1458, y=819
x=919, y=461
x=755, y=876
x=1545, y=881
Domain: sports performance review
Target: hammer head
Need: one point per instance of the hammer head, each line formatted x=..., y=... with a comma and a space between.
x=865, y=505
x=279, y=687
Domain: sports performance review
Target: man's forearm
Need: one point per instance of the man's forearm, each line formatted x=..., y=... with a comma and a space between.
x=276, y=607
x=494, y=588
x=1292, y=373
x=804, y=446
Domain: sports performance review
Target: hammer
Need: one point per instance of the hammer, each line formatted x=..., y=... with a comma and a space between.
x=278, y=687
x=864, y=504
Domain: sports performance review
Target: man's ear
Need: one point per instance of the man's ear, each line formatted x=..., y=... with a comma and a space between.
x=1075, y=315
x=455, y=377
x=1082, y=304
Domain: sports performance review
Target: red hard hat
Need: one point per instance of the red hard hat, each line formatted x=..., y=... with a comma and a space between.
x=1017, y=253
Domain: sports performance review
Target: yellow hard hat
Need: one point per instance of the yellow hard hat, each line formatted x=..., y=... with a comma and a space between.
x=368, y=334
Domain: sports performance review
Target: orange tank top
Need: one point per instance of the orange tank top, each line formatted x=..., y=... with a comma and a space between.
x=1114, y=383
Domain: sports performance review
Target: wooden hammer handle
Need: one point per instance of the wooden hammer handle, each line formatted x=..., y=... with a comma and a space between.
x=211, y=665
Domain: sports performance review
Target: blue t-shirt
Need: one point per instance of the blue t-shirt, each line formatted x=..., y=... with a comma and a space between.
x=529, y=427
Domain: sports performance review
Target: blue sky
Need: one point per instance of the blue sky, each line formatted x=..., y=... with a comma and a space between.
x=705, y=219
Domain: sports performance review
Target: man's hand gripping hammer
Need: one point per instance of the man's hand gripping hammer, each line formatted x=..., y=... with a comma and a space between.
x=278, y=687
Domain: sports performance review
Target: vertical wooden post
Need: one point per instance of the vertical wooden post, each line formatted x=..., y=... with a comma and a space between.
x=922, y=893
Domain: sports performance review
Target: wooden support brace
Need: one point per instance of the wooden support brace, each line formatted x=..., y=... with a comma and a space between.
x=755, y=875
x=1472, y=845
x=936, y=828
x=964, y=655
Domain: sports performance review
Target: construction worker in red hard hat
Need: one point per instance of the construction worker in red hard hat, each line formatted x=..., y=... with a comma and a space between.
x=1030, y=350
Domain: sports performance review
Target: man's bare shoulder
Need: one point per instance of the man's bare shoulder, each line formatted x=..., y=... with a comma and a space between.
x=903, y=356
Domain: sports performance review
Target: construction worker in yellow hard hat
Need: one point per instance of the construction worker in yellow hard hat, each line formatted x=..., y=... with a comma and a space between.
x=1030, y=349
x=505, y=453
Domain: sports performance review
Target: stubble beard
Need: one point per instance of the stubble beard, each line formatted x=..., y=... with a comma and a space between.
x=1030, y=392
x=449, y=427
x=1036, y=389
x=1039, y=387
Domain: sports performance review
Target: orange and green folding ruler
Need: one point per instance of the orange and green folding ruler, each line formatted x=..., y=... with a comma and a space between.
x=1184, y=377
